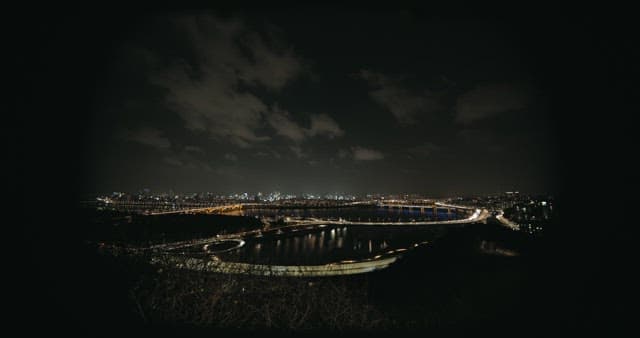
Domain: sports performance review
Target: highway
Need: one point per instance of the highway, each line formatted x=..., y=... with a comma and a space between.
x=506, y=222
x=444, y=205
x=206, y=210
x=478, y=216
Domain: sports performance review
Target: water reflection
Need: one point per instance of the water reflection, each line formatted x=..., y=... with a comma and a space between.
x=363, y=214
x=330, y=244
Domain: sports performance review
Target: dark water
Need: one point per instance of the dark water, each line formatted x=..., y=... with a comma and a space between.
x=368, y=214
x=333, y=243
x=329, y=244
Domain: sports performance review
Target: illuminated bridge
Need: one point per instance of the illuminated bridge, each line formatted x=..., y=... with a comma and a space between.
x=204, y=210
x=478, y=215
x=435, y=207
x=474, y=214
x=219, y=209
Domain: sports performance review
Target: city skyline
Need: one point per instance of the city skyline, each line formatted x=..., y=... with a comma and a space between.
x=252, y=194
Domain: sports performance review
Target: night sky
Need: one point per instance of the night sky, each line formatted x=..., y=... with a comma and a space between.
x=304, y=100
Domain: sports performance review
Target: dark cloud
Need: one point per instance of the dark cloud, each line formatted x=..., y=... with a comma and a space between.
x=212, y=105
x=488, y=100
x=424, y=150
x=297, y=150
x=272, y=68
x=321, y=124
x=208, y=93
x=194, y=149
x=366, y=154
x=231, y=157
x=148, y=136
x=283, y=124
x=358, y=153
x=405, y=104
x=172, y=160
x=212, y=93
x=474, y=137
x=267, y=153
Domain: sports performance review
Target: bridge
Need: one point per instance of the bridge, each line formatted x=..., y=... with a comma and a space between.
x=204, y=210
x=220, y=209
x=479, y=215
x=506, y=222
x=454, y=206
x=422, y=207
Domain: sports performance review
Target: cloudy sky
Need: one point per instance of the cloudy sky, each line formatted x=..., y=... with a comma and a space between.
x=318, y=101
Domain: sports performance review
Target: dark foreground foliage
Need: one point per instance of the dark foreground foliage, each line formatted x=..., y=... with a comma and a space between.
x=255, y=303
x=481, y=277
x=452, y=284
